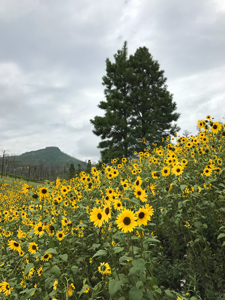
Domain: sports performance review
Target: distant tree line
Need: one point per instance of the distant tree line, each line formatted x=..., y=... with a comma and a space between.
x=9, y=166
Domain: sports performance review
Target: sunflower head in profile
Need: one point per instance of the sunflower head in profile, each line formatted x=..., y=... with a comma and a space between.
x=13, y=245
x=126, y=221
x=46, y=257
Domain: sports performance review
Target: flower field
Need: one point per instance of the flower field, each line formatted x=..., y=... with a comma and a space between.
x=148, y=228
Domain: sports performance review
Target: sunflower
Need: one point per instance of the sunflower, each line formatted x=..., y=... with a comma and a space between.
x=40, y=271
x=207, y=171
x=216, y=127
x=155, y=175
x=60, y=235
x=5, y=288
x=165, y=171
x=138, y=181
x=104, y=268
x=126, y=220
x=150, y=209
x=208, y=117
x=39, y=229
x=43, y=192
x=13, y=245
x=97, y=217
x=33, y=248
x=143, y=216
x=118, y=205
x=177, y=170
x=140, y=194
x=64, y=190
x=107, y=212
x=46, y=256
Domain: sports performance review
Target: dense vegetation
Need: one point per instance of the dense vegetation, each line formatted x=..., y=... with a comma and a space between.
x=149, y=228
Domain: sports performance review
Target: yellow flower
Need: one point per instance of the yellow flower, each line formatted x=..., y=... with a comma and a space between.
x=33, y=248
x=126, y=221
x=5, y=288
x=97, y=216
x=143, y=216
x=165, y=171
x=70, y=289
x=60, y=235
x=13, y=245
x=87, y=289
x=55, y=285
x=104, y=268
x=46, y=257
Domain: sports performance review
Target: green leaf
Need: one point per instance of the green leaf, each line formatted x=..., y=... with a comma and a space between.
x=27, y=269
x=74, y=269
x=100, y=253
x=29, y=293
x=56, y=271
x=135, y=294
x=114, y=286
x=117, y=249
x=220, y=236
x=168, y=293
x=51, y=250
x=182, y=187
x=64, y=257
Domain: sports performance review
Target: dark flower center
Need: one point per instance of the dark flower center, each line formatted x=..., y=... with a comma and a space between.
x=39, y=228
x=141, y=215
x=44, y=191
x=34, y=247
x=103, y=268
x=99, y=216
x=16, y=244
x=126, y=221
x=107, y=210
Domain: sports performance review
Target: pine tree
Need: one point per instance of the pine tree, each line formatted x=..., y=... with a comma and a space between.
x=71, y=171
x=153, y=106
x=114, y=127
x=138, y=106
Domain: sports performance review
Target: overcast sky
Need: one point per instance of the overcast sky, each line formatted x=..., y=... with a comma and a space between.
x=52, y=60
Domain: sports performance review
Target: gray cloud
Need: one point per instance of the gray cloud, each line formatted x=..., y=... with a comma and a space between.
x=52, y=59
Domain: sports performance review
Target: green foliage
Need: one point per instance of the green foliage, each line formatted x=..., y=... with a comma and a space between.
x=72, y=171
x=50, y=156
x=137, y=106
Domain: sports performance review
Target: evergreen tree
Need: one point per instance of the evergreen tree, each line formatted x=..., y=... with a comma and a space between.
x=71, y=171
x=138, y=106
x=153, y=107
x=114, y=126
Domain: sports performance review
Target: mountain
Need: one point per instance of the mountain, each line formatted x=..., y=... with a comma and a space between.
x=49, y=157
